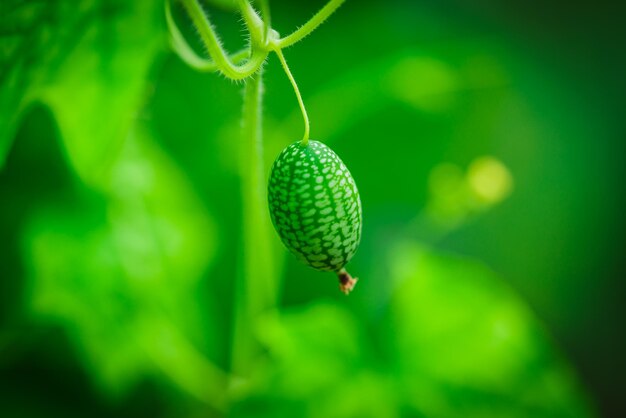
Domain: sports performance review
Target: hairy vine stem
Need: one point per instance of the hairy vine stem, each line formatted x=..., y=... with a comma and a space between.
x=214, y=46
x=263, y=38
x=187, y=54
x=310, y=25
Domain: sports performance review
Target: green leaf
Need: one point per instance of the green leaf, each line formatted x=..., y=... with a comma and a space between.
x=457, y=343
x=24, y=34
x=466, y=345
x=88, y=61
x=120, y=271
x=318, y=367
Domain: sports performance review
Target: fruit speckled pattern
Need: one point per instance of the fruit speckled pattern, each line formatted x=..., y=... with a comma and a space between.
x=315, y=206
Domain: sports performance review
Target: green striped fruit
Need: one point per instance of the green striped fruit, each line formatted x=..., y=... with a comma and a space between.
x=315, y=208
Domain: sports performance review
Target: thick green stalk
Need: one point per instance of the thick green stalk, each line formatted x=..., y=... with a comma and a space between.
x=256, y=287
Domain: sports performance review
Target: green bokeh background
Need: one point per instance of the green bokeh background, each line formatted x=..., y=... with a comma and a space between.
x=122, y=219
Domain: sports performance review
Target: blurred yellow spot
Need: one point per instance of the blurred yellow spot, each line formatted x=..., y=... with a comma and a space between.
x=456, y=195
x=489, y=180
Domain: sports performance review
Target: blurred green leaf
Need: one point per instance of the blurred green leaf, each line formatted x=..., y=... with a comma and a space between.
x=318, y=368
x=458, y=342
x=323, y=334
x=121, y=270
x=88, y=61
x=468, y=346
x=25, y=35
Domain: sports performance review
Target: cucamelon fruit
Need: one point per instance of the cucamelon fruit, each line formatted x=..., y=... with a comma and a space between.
x=315, y=208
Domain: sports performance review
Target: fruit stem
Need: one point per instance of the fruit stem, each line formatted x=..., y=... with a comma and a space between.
x=346, y=282
x=305, y=138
